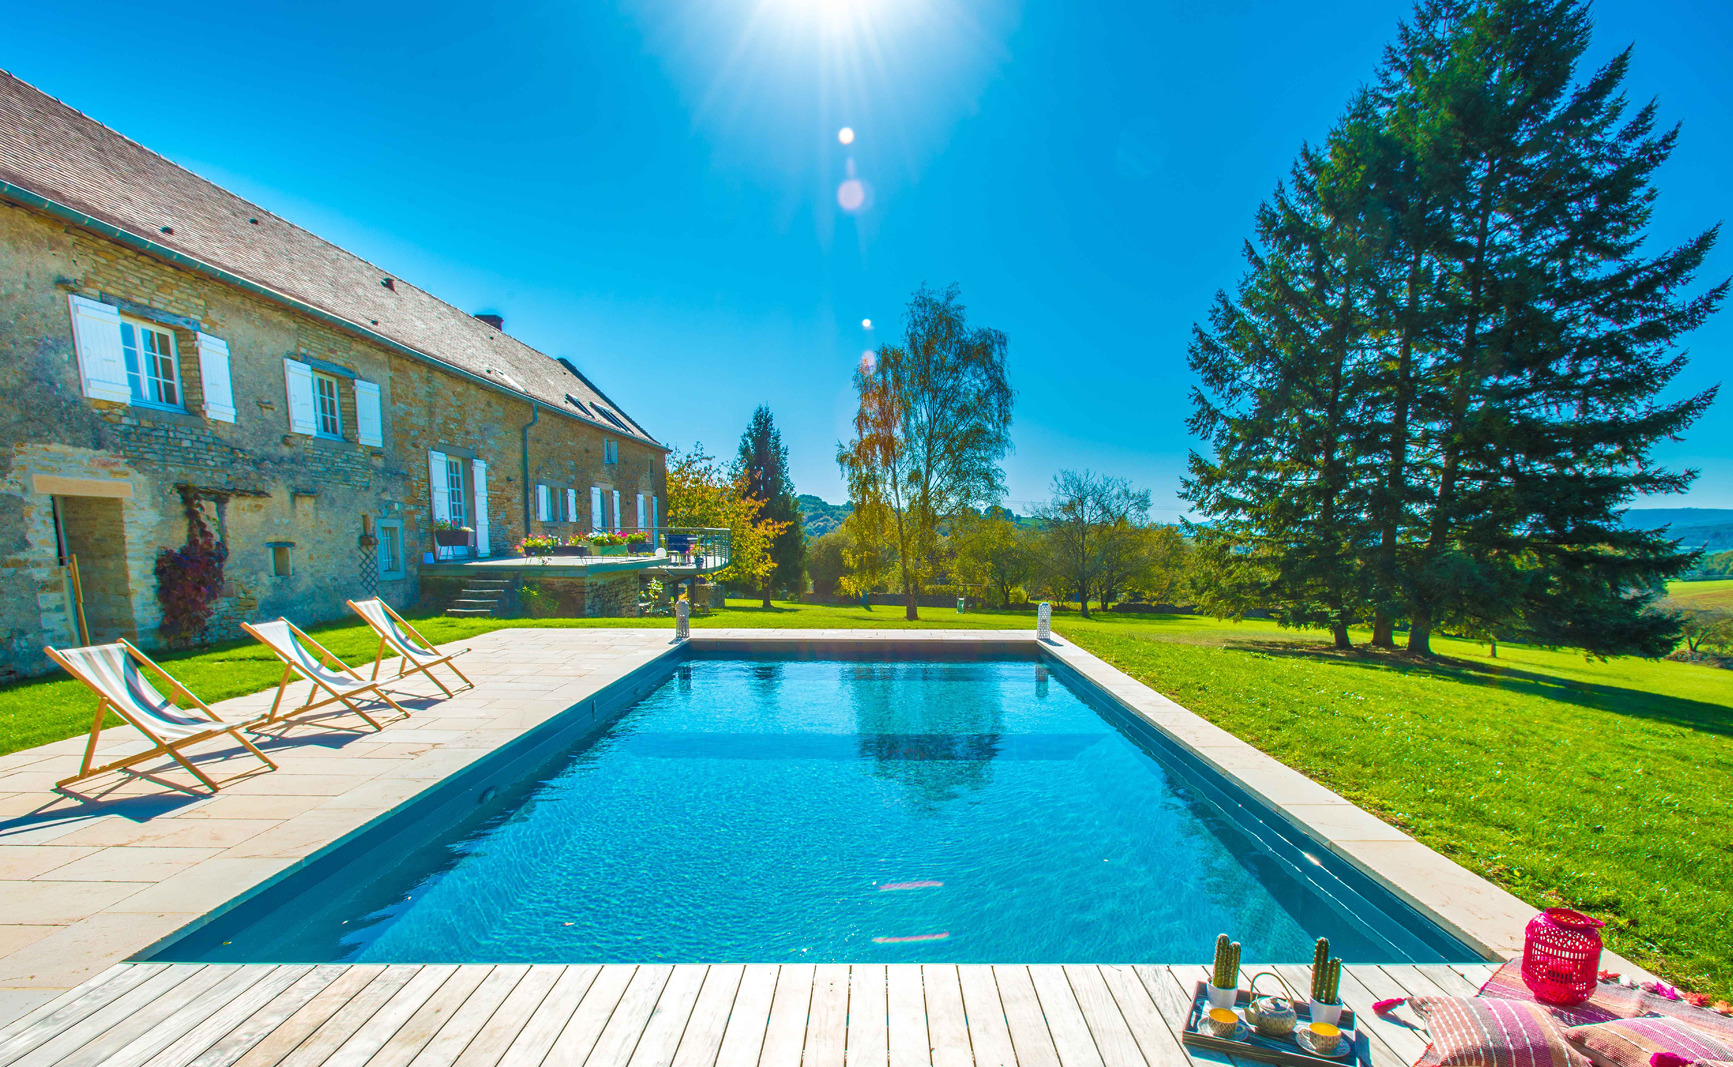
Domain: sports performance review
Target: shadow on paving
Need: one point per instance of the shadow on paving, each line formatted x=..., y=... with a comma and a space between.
x=1698, y=715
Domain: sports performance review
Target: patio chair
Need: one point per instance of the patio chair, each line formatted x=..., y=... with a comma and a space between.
x=415, y=652
x=112, y=672
x=291, y=644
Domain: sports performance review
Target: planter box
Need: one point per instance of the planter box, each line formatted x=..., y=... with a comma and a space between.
x=571, y=550
x=638, y=548
x=451, y=538
x=610, y=550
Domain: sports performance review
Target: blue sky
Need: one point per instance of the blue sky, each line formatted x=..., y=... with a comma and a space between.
x=651, y=188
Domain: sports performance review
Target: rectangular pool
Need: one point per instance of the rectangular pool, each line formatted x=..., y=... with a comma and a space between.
x=766, y=808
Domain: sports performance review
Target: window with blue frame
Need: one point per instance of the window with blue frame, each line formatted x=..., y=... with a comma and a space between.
x=152, y=367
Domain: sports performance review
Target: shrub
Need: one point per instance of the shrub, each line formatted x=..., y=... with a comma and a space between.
x=189, y=580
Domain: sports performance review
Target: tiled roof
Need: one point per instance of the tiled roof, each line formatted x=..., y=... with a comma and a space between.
x=70, y=159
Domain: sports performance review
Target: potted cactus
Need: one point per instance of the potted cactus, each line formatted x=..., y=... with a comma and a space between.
x=1326, y=985
x=1224, y=983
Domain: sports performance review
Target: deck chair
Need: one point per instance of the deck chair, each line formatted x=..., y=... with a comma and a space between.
x=415, y=652
x=112, y=671
x=324, y=670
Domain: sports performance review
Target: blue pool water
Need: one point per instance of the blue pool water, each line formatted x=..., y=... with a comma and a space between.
x=834, y=811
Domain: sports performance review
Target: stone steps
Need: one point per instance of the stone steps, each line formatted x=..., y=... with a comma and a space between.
x=480, y=598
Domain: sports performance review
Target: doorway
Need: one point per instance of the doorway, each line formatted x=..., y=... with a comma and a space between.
x=93, y=528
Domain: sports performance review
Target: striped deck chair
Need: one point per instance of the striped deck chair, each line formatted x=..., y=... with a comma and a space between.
x=324, y=670
x=415, y=652
x=112, y=671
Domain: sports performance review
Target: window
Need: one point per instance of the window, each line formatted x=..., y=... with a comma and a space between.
x=152, y=369
x=390, y=548
x=328, y=417
x=456, y=506
x=282, y=563
x=610, y=451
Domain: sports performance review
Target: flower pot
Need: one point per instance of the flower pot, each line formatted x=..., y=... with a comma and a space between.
x=638, y=548
x=571, y=550
x=1326, y=1013
x=610, y=550
x=1220, y=997
x=451, y=538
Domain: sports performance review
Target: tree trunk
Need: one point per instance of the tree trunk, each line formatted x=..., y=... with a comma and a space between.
x=911, y=611
x=1339, y=630
x=766, y=592
x=1083, y=601
x=1383, y=629
x=1420, y=636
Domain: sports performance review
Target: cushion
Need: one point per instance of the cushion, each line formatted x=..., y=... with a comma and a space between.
x=1633, y=1042
x=1490, y=1032
x=1608, y=1002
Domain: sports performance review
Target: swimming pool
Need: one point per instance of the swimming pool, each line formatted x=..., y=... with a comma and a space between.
x=766, y=808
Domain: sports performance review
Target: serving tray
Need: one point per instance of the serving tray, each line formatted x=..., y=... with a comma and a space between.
x=1282, y=1050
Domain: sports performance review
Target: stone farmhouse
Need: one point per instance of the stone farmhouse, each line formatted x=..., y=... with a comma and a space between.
x=174, y=355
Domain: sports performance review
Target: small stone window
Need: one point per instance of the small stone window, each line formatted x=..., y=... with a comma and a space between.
x=327, y=412
x=152, y=367
x=610, y=451
x=390, y=548
x=282, y=559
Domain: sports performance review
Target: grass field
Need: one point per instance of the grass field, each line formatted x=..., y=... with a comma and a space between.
x=1712, y=594
x=1604, y=785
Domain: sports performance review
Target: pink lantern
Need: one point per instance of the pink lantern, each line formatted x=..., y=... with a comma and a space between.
x=1561, y=956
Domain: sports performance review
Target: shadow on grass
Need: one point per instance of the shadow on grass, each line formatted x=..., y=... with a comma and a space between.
x=1697, y=715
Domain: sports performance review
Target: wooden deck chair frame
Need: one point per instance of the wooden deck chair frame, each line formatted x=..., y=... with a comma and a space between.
x=330, y=660
x=403, y=660
x=162, y=747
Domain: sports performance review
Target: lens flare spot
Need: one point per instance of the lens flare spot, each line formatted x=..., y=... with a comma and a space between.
x=866, y=324
x=851, y=195
x=845, y=135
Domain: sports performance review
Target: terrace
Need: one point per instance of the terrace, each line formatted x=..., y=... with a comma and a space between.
x=100, y=882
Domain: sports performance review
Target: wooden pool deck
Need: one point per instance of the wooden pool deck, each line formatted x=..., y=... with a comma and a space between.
x=687, y=1015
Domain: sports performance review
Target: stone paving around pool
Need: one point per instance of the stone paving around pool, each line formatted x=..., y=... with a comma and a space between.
x=98, y=875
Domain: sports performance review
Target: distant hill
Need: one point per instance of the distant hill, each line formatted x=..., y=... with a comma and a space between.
x=1708, y=528
x=818, y=518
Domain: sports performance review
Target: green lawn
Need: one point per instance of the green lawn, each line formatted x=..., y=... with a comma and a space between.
x=1711, y=594
x=1604, y=785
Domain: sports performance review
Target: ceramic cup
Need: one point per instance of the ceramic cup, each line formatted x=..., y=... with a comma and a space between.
x=1221, y=1022
x=1325, y=1037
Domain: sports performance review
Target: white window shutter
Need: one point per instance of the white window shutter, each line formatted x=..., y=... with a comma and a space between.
x=298, y=377
x=215, y=379
x=597, y=520
x=437, y=487
x=478, y=474
x=544, y=504
x=654, y=520
x=571, y=505
x=96, y=338
x=369, y=427
x=616, y=511
x=640, y=511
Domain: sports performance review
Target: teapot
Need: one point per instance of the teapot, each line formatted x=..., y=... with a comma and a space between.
x=1269, y=1015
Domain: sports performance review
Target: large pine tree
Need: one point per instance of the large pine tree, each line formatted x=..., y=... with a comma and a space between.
x=1438, y=386
x=763, y=464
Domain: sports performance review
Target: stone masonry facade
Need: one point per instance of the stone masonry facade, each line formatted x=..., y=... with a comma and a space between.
x=304, y=516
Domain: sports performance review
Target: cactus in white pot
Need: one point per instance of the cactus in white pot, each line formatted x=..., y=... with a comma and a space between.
x=1224, y=983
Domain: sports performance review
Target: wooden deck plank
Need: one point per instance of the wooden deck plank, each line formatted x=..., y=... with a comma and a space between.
x=53, y=1044
x=989, y=1037
x=1376, y=1031
x=1448, y=979
x=868, y=1043
x=744, y=1037
x=350, y=1016
x=467, y=1021
x=538, y=1034
x=1477, y=974
x=625, y=1025
x=1155, y=1040
x=193, y=1044
x=827, y=1023
x=1170, y=988
x=906, y=1016
x=506, y=1024
x=785, y=1032
x=1030, y=1038
x=1416, y=982
x=1113, y=1039
x=148, y=1017
x=586, y=1024
x=406, y=1044
x=378, y=1028
x=703, y=1036
x=193, y=1011
x=1071, y=1036
x=89, y=995
x=669, y=1018
x=279, y=1011
x=947, y=1022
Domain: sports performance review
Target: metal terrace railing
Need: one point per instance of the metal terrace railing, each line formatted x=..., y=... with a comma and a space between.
x=708, y=548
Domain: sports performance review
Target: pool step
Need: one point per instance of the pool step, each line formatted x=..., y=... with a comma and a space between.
x=480, y=598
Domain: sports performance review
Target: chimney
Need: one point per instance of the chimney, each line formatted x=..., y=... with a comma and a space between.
x=496, y=321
